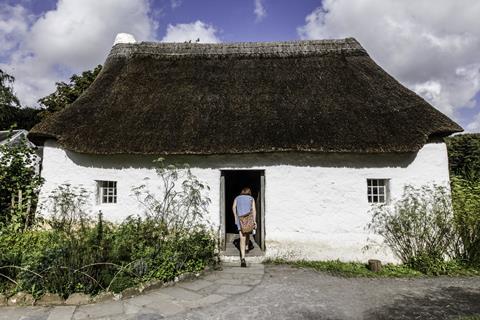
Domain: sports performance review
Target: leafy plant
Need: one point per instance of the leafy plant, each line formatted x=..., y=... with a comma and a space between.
x=466, y=205
x=419, y=228
x=19, y=185
x=77, y=253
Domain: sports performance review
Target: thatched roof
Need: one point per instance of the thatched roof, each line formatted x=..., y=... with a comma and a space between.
x=186, y=98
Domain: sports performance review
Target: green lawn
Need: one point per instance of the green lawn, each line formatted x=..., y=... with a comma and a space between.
x=357, y=269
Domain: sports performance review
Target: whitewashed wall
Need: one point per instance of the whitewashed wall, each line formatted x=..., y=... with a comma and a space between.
x=316, y=204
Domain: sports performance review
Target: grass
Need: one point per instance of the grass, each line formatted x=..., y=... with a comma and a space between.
x=357, y=269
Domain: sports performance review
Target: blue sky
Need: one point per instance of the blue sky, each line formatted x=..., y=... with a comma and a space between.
x=431, y=46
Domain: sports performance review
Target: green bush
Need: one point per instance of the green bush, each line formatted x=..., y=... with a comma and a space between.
x=419, y=228
x=464, y=155
x=466, y=205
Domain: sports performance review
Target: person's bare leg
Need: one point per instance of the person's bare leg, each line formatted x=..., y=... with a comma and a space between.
x=247, y=241
x=242, y=245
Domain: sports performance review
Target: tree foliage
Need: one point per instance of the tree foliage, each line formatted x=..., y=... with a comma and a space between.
x=464, y=158
x=21, y=118
x=67, y=93
x=466, y=205
x=464, y=155
x=11, y=112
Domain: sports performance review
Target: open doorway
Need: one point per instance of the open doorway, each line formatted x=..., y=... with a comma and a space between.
x=232, y=182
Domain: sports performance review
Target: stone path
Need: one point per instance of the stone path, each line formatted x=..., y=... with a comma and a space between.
x=209, y=289
x=282, y=292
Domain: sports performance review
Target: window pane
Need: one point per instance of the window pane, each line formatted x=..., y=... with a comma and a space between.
x=107, y=191
x=377, y=190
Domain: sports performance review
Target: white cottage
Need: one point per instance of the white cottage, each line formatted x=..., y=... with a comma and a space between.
x=316, y=128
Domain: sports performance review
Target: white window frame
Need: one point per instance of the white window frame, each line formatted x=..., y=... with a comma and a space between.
x=107, y=192
x=378, y=190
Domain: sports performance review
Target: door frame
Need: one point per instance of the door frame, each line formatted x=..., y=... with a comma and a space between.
x=222, y=208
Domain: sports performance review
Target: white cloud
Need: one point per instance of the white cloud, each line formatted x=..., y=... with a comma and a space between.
x=259, y=10
x=474, y=125
x=175, y=3
x=73, y=37
x=191, y=32
x=13, y=26
x=431, y=47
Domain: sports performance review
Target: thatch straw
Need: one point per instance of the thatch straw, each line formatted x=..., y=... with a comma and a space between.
x=319, y=96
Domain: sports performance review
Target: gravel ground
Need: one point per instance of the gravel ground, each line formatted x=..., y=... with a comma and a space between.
x=291, y=293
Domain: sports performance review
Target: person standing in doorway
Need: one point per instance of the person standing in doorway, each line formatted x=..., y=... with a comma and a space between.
x=243, y=205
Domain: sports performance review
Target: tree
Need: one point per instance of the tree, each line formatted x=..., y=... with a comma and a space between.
x=11, y=112
x=464, y=155
x=7, y=97
x=67, y=93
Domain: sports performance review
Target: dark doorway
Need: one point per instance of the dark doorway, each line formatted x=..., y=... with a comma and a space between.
x=233, y=181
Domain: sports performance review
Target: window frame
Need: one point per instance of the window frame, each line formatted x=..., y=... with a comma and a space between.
x=378, y=188
x=107, y=192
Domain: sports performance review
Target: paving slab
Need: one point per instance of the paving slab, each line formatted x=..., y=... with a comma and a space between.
x=150, y=298
x=245, y=276
x=16, y=313
x=98, y=310
x=235, y=270
x=162, y=307
x=62, y=313
x=205, y=301
x=229, y=281
x=232, y=289
x=218, y=275
x=181, y=293
x=130, y=308
x=196, y=284
x=143, y=316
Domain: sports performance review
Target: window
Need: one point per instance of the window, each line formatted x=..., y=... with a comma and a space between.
x=107, y=191
x=377, y=190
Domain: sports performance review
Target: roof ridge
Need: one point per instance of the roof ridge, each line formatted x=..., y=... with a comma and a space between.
x=280, y=48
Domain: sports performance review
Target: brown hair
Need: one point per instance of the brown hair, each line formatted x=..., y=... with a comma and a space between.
x=246, y=190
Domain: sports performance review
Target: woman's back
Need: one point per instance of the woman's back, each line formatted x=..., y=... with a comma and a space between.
x=244, y=204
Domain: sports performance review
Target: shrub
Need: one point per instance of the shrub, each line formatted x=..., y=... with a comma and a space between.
x=466, y=205
x=464, y=155
x=419, y=228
